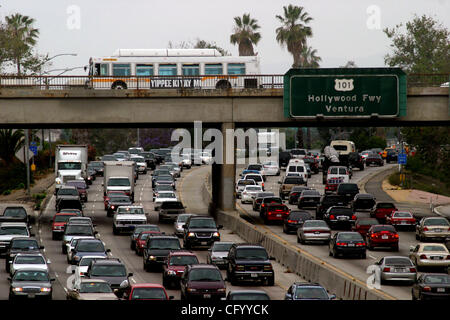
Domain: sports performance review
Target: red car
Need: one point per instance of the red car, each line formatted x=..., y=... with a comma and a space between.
x=141, y=240
x=402, y=219
x=275, y=212
x=382, y=235
x=332, y=184
x=382, y=210
x=173, y=268
x=112, y=193
x=59, y=223
x=146, y=291
x=362, y=225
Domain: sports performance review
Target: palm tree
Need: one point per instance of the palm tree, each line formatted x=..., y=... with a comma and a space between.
x=310, y=58
x=294, y=31
x=10, y=143
x=245, y=34
x=23, y=36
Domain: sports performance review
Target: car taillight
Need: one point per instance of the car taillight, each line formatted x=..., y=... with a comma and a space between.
x=426, y=289
x=422, y=256
x=292, y=221
x=294, y=194
x=448, y=257
x=360, y=244
x=353, y=217
x=112, y=207
x=386, y=269
x=332, y=217
x=341, y=244
x=426, y=229
x=396, y=236
x=412, y=270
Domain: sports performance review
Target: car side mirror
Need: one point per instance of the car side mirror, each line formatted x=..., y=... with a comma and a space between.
x=103, y=184
x=9, y=279
x=220, y=226
x=41, y=247
x=332, y=297
x=48, y=261
x=130, y=274
x=171, y=297
x=73, y=250
x=279, y=182
x=184, y=226
x=411, y=248
x=271, y=258
x=95, y=232
x=73, y=271
x=32, y=235
x=52, y=279
x=108, y=250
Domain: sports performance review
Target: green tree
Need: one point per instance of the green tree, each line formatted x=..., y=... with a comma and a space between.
x=424, y=48
x=202, y=44
x=294, y=32
x=349, y=64
x=310, y=57
x=11, y=141
x=245, y=34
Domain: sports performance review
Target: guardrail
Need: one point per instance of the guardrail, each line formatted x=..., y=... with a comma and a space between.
x=274, y=81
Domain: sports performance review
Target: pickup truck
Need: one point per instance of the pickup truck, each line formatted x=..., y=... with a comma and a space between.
x=15, y=214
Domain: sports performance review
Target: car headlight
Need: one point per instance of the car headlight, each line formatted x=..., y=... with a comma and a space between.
x=191, y=290
x=76, y=258
x=46, y=289
x=18, y=289
x=216, y=234
x=124, y=284
x=191, y=234
x=221, y=290
x=171, y=272
x=152, y=258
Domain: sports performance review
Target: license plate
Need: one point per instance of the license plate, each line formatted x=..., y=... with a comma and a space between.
x=31, y=295
x=437, y=230
x=384, y=237
x=399, y=270
x=435, y=258
x=317, y=232
x=254, y=275
x=203, y=243
x=351, y=244
x=343, y=218
x=403, y=222
x=207, y=296
x=278, y=215
x=440, y=289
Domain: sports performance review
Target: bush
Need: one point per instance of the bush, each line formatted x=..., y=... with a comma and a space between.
x=6, y=192
x=13, y=176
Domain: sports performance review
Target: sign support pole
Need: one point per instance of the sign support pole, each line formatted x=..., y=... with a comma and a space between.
x=27, y=162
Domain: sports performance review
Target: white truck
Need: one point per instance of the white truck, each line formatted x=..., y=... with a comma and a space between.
x=119, y=176
x=70, y=163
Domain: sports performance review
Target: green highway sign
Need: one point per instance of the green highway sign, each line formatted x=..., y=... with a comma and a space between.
x=345, y=93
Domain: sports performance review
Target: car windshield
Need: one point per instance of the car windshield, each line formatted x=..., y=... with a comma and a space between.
x=29, y=260
x=255, y=177
x=14, y=231
x=299, y=216
x=67, y=192
x=95, y=287
x=246, y=182
x=130, y=211
x=77, y=184
x=24, y=244
x=202, y=223
x=15, y=213
x=436, y=222
x=109, y=158
x=384, y=228
x=120, y=199
x=272, y=200
x=433, y=248
x=183, y=260
x=205, y=274
x=183, y=218
x=251, y=254
x=264, y=194
x=108, y=271
x=79, y=230
x=167, y=195
x=253, y=188
x=341, y=211
x=164, y=244
x=118, y=182
x=366, y=222
x=90, y=246
x=402, y=215
x=62, y=218
x=437, y=279
x=298, y=152
x=257, y=167
x=139, y=229
x=221, y=246
x=311, y=293
x=310, y=193
x=148, y=293
x=164, y=178
x=292, y=180
x=164, y=187
x=315, y=224
x=349, y=236
x=84, y=262
x=161, y=172
x=172, y=205
x=397, y=261
x=31, y=276
x=348, y=188
x=96, y=164
x=250, y=296
x=76, y=211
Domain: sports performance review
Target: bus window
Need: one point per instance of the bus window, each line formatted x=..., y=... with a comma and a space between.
x=144, y=69
x=101, y=69
x=121, y=69
x=167, y=69
x=191, y=69
x=213, y=68
x=236, y=68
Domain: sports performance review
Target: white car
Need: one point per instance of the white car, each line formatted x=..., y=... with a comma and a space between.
x=240, y=185
x=338, y=172
x=430, y=255
x=28, y=260
x=271, y=168
x=126, y=217
x=186, y=160
x=141, y=164
x=206, y=157
x=83, y=265
x=259, y=179
x=71, y=245
x=298, y=167
x=249, y=193
x=365, y=153
x=164, y=196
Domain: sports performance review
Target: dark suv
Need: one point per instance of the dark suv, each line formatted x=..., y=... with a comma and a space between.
x=249, y=262
x=326, y=201
x=200, y=231
x=340, y=217
x=202, y=281
x=21, y=245
x=113, y=271
x=157, y=249
x=347, y=190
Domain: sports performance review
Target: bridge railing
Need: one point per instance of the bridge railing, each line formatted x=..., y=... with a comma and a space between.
x=274, y=81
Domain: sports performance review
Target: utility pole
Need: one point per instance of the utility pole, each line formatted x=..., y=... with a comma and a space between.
x=50, y=147
x=138, y=140
x=27, y=162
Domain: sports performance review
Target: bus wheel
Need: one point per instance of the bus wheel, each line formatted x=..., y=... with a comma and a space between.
x=119, y=85
x=223, y=84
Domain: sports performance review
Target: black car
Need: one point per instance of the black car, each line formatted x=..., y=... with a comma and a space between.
x=374, y=158
x=200, y=231
x=159, y=172
x=115, y=202
x=340, y=217
x=150, y=159
x=258, y=199
x=391, y=155
x=21, y=245
x=248, y=295
x=348, y=190
x=98, y=166
x=157, y=250
x=347, y=243
x=313, y=163
x=308, y=199
x=141, y=228
x=164, y=179
x=66, y=191
x=363, y=201
x=69, y=202
x=295, y=192
x=113, y=271
x=169, y=210
x=307, y=291
x=295, y=219
x=249, y=262
x=16, y=214
x=429, y=286
x=327, y=201
x=202, y=281
x=356, y=160
x=33, y=283
x=283, y=158
x=88, y=247
x=91, y=175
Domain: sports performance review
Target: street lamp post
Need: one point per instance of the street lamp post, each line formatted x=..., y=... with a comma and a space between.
x=51, y=58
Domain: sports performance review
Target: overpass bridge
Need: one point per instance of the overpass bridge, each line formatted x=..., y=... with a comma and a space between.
x=49, y=102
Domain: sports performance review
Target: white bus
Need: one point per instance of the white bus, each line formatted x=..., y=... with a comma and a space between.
x=172, y=68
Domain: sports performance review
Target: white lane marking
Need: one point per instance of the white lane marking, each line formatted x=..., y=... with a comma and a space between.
x=372, y=257
x=56, y=275
x=132, y=279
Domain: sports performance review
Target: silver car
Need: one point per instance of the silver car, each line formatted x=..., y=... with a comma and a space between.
x=314, y=231
x=396, y=268
x=179, y=223
x=433, y=228
x=218, y=253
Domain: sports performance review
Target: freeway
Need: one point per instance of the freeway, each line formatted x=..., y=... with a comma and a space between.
x=188, y=189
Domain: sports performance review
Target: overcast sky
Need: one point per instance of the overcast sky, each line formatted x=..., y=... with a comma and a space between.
x=342, y=30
